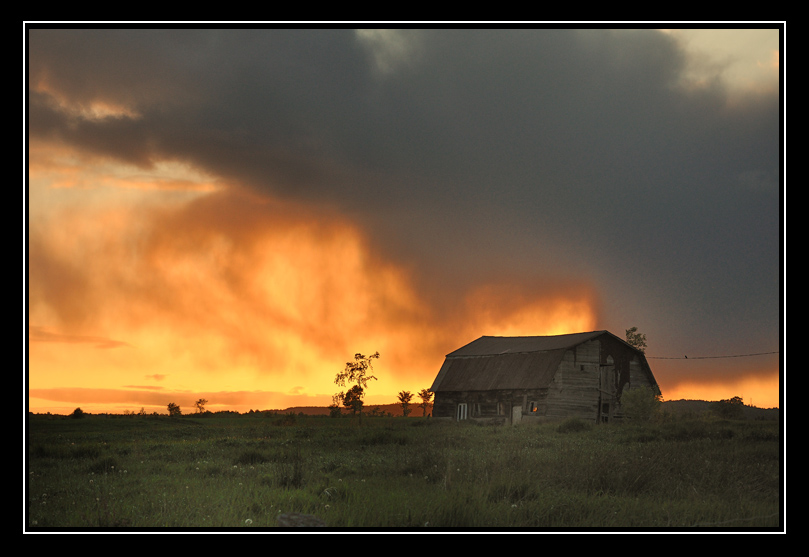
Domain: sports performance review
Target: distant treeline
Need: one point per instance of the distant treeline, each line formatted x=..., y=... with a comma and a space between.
x=375, y=410
x=681, y=408
x=732, y=408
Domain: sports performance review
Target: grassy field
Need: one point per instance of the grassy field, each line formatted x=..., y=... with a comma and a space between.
x=155, y=472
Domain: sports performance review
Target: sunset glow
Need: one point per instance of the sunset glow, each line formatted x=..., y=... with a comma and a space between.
x=276, y=304
x=235, y=226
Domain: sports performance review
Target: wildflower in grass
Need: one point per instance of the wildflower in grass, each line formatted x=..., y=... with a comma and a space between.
x=248, y=522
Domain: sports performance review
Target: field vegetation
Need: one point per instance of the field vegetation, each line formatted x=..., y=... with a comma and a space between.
x=240, y=471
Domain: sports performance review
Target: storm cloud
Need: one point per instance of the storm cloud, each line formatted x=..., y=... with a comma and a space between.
x=531, y=161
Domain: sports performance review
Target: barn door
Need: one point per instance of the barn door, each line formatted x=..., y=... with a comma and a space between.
x=606, y=390
x=516, y=414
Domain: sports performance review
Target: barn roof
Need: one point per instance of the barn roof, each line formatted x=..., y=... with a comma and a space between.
x=489, y=346
x=491, y=363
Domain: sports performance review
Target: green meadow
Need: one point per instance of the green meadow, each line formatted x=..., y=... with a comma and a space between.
x=245, y=471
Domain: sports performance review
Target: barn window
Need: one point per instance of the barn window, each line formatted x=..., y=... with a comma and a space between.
x=461, y=414
x=532, y=406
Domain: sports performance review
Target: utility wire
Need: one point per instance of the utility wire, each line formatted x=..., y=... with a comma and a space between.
x=709, y=357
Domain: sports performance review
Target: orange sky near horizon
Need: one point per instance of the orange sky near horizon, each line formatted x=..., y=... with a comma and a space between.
x=258, y=313
x=151, y=280
x=143, y=304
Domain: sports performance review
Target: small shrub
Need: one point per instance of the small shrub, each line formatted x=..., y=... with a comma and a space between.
x=640, y=434
x=640, y=405
x=290, y=475
x=250, y=458
x=685, y=430
x=573, y=425
x=513, y=491
x=287, y=474
x=732, y=408
x=383, y=438
x=65, y=453
x=287, y=420
x=103, y=466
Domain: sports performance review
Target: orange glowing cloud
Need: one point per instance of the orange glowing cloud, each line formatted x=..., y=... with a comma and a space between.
x=255, y=303
x=61, y=167
x=233, y=293
x=762, y=392
x=543, y=308
x=756, y=379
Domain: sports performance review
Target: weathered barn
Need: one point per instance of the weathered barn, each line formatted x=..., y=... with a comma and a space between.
x=512, y=379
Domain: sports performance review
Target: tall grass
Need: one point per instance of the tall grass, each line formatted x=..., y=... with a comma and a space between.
x=243, y=472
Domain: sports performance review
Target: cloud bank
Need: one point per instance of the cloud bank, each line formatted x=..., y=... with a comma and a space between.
x=407, y=191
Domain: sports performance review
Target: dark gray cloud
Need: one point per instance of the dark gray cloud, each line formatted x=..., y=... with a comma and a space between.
x=472, y=155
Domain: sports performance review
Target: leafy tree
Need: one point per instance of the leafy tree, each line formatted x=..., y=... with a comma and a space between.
x=640, y=404
x=77, y=413
x=732, y=408
x=404, y=399
x=636, y=339
x=425, y=396
x=357, y=372
x=352, y=399
x=174, y=410
x=200, y=405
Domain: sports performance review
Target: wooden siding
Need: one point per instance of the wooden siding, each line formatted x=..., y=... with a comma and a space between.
x=574, y=389
x=638, y=377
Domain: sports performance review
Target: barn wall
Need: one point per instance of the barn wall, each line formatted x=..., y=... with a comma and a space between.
x=586, y=384
x=490, y=406
x=574, y=389
x=637, y=375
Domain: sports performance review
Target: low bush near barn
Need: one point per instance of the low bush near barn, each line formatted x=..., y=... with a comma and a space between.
x=245, y=472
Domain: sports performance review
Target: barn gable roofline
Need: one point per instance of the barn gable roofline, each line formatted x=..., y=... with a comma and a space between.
x=491, y=362
x=494, y=345
x=547, y=377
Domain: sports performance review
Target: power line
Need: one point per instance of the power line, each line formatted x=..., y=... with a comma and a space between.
x=709, y=357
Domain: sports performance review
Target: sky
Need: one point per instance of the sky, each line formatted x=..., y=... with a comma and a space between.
x=234, y=214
